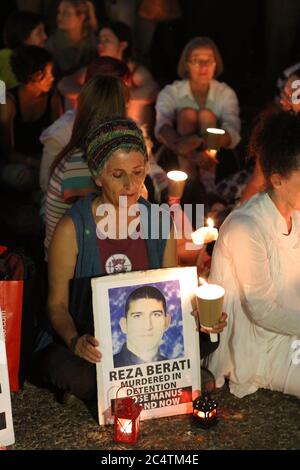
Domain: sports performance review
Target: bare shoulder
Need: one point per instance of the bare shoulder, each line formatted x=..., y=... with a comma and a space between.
x=64, y=237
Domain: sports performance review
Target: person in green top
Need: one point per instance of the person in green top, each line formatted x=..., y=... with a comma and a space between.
x=21, y=27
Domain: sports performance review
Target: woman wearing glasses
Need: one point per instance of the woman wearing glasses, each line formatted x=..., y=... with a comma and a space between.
x=186, y=108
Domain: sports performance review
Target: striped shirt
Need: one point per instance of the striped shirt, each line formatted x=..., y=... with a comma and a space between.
x=70, y=181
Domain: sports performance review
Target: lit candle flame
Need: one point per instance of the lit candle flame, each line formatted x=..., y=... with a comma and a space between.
x=210, y=222
x=202, y=281
x=125, y=426
x=205, y=234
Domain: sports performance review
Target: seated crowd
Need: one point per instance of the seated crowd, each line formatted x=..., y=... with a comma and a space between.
x=84, y=123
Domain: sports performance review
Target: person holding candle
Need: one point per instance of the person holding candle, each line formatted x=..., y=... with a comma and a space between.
x=186, y=108
x=117, y=158
x=257, y=260
x=67, y=351
x=64, y=174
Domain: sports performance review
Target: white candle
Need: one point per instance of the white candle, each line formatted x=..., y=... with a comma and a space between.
x=210, y=303
x=213, y=140
x=205, y=234
x=177, y=180
x=210, y=291
x=177, y=175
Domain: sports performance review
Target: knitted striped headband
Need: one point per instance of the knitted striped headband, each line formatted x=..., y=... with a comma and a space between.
x=108, y=136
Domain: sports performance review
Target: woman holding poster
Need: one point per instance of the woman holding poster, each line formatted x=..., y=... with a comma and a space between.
x=98, y=236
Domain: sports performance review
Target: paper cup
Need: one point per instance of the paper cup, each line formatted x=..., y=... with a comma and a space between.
x=209, y=299
x=213, y=139
x=176, y=183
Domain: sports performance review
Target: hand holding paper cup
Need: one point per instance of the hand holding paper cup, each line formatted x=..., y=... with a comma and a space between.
x=209, y=299
x=213, y=138
x=176, y=180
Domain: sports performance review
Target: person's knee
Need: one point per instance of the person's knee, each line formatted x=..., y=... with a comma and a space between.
x=187, y=121
x=207, y=118
x=60, y=368
x=74, y=374
x=184, y=113
x=85, y=385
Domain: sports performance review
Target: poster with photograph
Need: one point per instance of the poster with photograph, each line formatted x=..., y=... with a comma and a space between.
x=148, y=340
x=6, y=423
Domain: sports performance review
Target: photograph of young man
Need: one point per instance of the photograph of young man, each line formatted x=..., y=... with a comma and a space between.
x=144, y=322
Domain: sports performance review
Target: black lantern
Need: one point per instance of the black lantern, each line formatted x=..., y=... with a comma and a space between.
x=205, y=411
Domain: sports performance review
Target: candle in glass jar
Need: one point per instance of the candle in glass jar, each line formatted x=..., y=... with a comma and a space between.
x=205, y=234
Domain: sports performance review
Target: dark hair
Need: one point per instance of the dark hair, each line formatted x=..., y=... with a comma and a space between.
x=146, y=292
x=257, y=125
x=123, y=33
x=18, y=27
x=108, y=66
x=277, y=143
x=100, y=96
x=26, y=61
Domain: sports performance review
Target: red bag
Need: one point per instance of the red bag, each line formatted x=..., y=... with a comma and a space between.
x=11, y=302
x=11, y=298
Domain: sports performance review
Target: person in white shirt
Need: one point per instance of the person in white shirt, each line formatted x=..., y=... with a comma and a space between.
x=187, y=107
x=257, y=260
